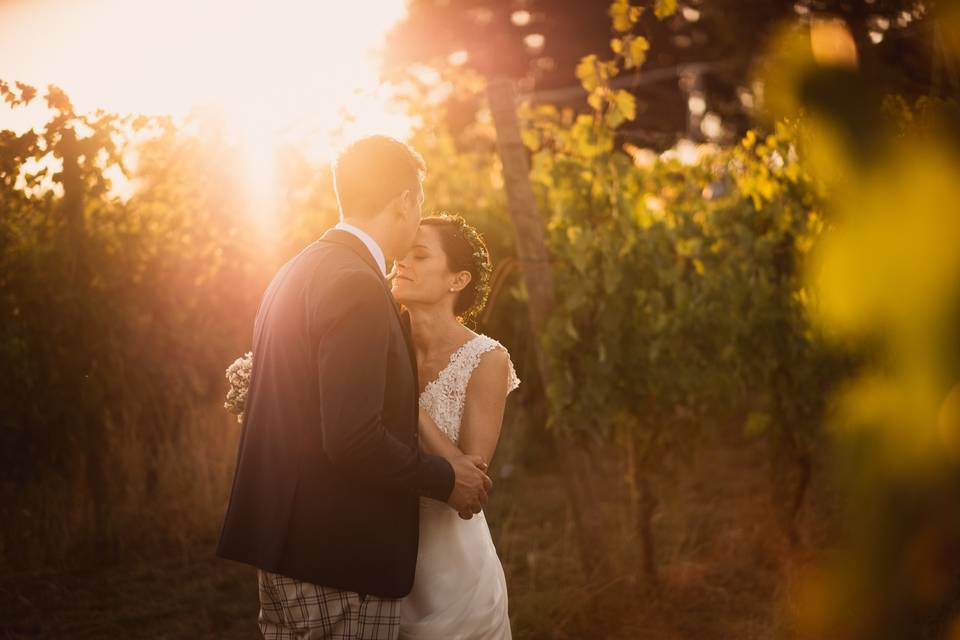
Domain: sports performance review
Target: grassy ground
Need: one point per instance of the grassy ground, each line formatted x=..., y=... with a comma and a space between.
x=722, y=559
x=192, y=595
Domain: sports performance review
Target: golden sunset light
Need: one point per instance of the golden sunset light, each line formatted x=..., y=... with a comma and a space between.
x=288, y=57
x=670, y=348
x=274, y=73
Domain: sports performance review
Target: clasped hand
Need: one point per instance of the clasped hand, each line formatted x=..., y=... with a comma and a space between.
x=471, y=487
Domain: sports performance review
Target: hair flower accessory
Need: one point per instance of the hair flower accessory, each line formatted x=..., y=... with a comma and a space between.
x=481, y=259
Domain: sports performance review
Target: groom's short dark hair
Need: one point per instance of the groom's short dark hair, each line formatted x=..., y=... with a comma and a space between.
x=372, y=171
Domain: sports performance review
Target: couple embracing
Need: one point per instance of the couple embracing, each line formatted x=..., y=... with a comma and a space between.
x=361, y=472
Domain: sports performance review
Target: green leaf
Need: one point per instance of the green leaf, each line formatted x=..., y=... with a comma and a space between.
x=756, y=424
x=614, y=118
x=588, y=140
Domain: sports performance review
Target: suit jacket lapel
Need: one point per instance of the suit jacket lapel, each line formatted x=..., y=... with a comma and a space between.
x=352, y=242
x=408, y=337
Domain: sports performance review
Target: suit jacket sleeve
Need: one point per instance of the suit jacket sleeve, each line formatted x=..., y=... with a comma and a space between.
x=354, y=335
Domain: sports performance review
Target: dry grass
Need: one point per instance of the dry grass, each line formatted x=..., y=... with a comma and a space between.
x=723, y=563
x=52, y=522
x=725, y=567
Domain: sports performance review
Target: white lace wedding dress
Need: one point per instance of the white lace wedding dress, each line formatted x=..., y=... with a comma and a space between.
x=459, y=592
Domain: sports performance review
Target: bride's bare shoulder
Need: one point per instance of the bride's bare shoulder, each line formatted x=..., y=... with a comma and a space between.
x=492, y=367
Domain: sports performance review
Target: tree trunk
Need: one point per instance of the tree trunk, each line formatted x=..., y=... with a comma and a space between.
x=791, y=464
x=74, y=236
x=648, y=507
x=790, y=455
x=574, y=461
x=527, y=223
x=74, y=233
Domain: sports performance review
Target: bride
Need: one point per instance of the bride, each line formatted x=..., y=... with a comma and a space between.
x=459, y=591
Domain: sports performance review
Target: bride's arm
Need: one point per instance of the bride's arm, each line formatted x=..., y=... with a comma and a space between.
x=483, y=411
x=435, y=441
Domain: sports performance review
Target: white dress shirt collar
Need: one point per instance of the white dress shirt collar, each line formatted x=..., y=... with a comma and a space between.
x=369, y=242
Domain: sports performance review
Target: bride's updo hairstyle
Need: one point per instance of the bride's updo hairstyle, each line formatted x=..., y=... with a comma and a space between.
x=465, y=251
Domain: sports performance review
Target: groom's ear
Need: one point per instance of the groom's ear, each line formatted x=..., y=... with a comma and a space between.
x=404, y=203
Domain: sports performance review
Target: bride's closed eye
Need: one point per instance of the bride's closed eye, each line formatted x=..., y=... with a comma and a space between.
x=420, y=252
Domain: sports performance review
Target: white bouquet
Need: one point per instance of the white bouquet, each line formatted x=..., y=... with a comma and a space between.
x=238, y=375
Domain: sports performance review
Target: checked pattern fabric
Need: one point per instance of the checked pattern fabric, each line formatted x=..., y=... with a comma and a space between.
x=295, y=610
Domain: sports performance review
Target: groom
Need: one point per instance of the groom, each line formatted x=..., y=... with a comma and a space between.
x=325, y=499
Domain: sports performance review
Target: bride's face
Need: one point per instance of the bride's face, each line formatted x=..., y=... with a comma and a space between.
x=423, y=276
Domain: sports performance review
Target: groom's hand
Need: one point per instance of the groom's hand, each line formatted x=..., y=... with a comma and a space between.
x=471, y=485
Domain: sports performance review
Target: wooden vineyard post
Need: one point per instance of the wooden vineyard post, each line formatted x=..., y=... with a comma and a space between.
x=535, y=267
x=68, y=150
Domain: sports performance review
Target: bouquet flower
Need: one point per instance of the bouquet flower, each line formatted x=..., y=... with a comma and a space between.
x=238, y=375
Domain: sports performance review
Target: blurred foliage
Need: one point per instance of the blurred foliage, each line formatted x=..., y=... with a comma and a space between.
x=886, y=273
x=754, y=281
x=682, y=304
x=719, y=42
x=115, y=316
x=689, y=269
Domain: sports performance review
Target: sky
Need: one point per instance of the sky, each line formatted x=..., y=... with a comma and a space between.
x=274, y=70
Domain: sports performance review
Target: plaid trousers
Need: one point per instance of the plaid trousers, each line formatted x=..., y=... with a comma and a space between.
x=295, y=610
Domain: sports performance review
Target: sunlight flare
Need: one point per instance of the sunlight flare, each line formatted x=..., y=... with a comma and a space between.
x=283, y=73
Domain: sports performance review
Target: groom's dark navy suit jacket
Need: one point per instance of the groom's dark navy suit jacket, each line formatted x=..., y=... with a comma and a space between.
x=328, y=471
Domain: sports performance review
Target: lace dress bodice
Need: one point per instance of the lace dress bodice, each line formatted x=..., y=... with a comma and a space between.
x=444, y=397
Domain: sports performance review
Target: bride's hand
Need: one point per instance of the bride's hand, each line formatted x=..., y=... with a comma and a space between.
x=471, y=487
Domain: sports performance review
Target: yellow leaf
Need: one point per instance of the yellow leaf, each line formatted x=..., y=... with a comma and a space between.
x=626, y=104
x=664, y=8
x=531, y=138
x=587, y=72
x=638, y=52
x=620, y=12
